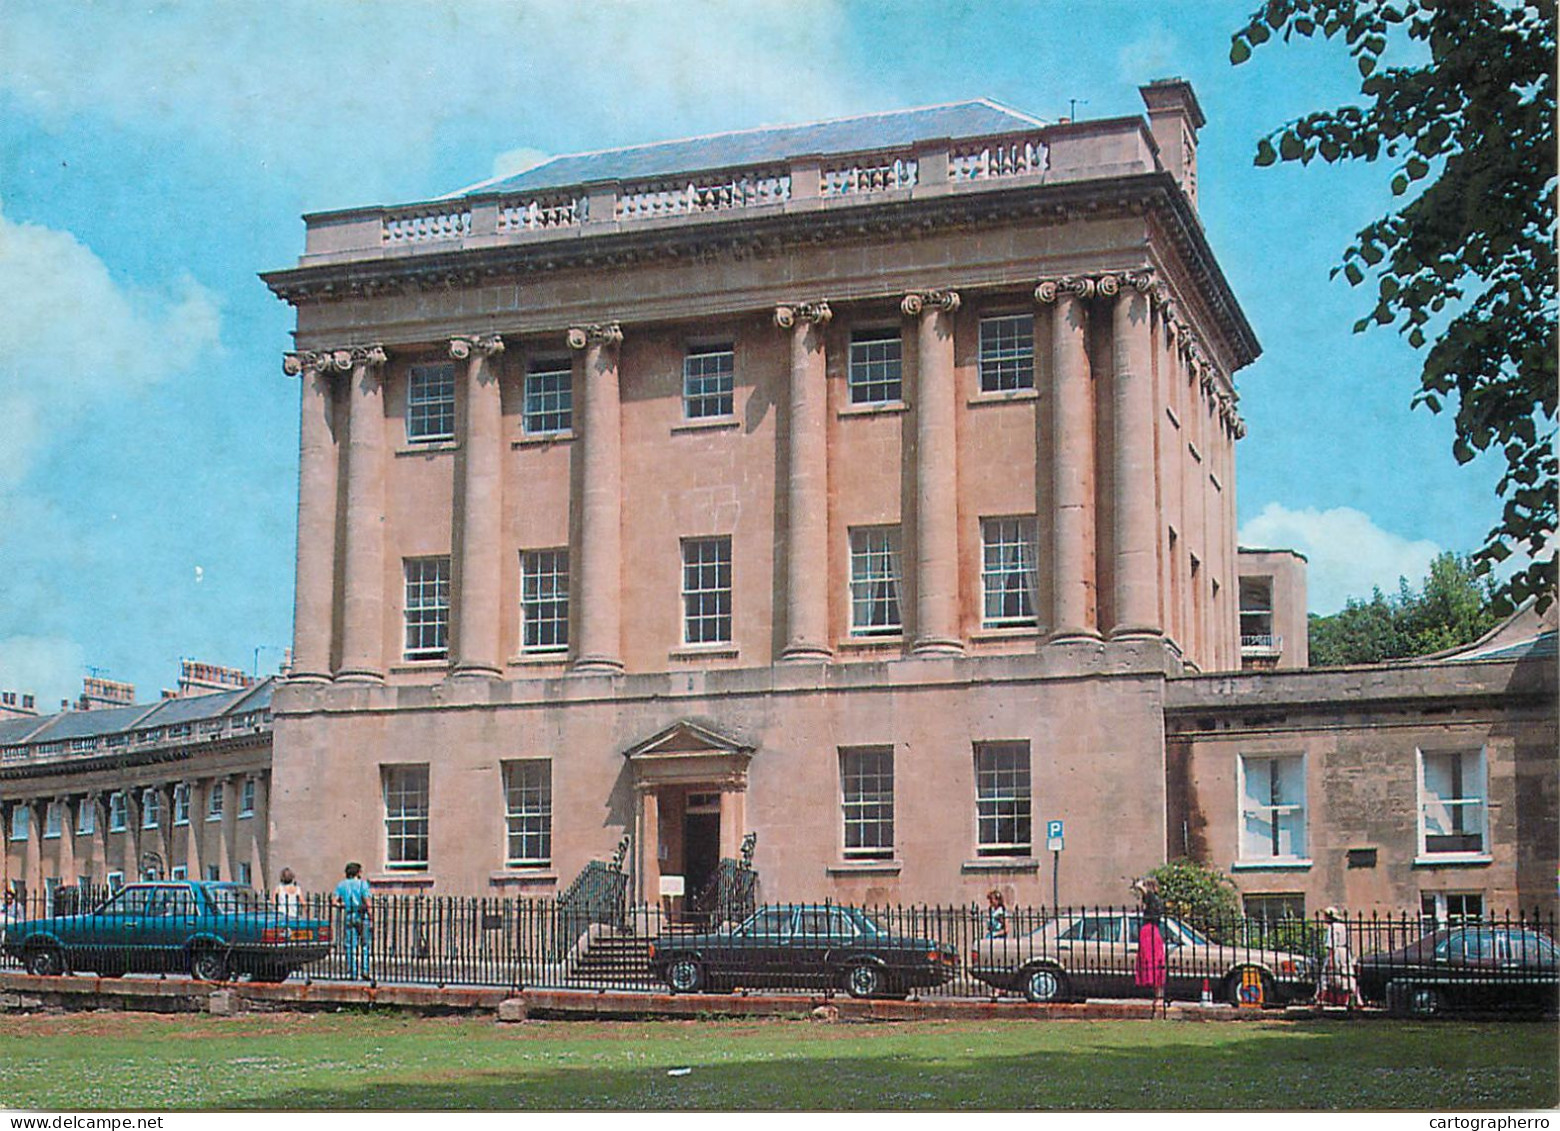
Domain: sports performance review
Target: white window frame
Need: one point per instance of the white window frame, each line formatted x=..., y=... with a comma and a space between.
x=216, y=801
x=245, y=873
x=1476, y=804
x=21, y=822
x=867, y=802
x=53, y=820
x=86, y=817
x=1439, y=913
x=118, y=814
x=151, y=809
x=1009, y=547
x=875, y=374
x=709, y=382
x=114, y=880
x=544, y=600
x=179, y=872
x=430, y=403
x=246, y=798
x=707, y=590
x=406, y=791
x=548, y=405
x=1004, y=793
x=528, y=812
x=1006, y=363
x=214, y=873
x=426, y=607
x=876, y=581
x=1283, y=817
x=181, y=804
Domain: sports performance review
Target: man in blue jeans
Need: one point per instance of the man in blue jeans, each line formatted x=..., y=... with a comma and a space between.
x=356, y=919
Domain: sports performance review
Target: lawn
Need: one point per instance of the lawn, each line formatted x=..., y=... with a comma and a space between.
x=353, y=1061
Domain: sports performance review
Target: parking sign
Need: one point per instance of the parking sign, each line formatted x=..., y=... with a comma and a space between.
x=1053, y=836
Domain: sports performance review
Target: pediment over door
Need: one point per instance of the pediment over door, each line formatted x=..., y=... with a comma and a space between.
x=687, y=753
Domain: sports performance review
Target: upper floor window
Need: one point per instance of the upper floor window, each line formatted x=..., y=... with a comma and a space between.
x=406, y=816
x=151, y=808
x=430, y=403
x=216, y=800
x=245, y=874
x=1256, y=612
x=1451, y=802
x=875, y=367
x=544, y=600
x=1272, y=807
x=246, y=798
x=706, y=590
x=86, y=815
x=118, y=811
x=21, y=818
x=874, y=581
x=867, y=800
x=1007, y=353
x=427, y=611
x=1007, y=572
x=1002, y=801
x=708, y=373
x=181, y=804
x=549, y=398
x=528, y=811
x=53, y=819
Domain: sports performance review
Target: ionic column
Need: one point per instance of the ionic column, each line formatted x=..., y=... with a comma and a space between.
x=601, y=535
x=1072, y=398
x=477, y=599
x=99, y=834
x=132, y=841
x=362, y=630
x=194, y=835
x=318, y=459
x=649, y=840
x=225, y=828
x=1135, y=523
x=807, y=485
x=936, y=476
x=258, y=838
x=32, y=853
x=67, y=849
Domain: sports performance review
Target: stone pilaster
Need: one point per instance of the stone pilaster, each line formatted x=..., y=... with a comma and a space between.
x=318, y=471
x=1136, y=604
x=936, y=475
x=481, y=503
x=1073, y=613
x=600, y=552
x=807, y=485
x=363, y=637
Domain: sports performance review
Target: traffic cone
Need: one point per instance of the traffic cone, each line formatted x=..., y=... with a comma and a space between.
x=1207, y=993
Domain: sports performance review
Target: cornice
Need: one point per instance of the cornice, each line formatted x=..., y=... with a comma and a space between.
x=747, y=237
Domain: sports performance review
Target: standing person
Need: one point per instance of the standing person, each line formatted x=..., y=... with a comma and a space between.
x=996, y=915
x=289, y=896
x=1151, y=964
x=1338, y=985
x=357, y=919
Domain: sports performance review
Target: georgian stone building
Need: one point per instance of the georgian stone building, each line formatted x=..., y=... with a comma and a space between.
x=868, y=486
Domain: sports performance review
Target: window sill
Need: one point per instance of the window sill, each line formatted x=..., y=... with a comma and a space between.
x=432, y=447
x=864, y=868
x=886, y=642
x=1006, y=632
x=543, y=439
x=707, y=424
x=1001, y=864
x=873, y=408
x=411, y=878
x=246, y=816
x=1002, y=396
x=429, y=665
x=542, y=875
x=721, y=651
x=527, y=659
x=214, y=820
x=1282, y=864
x=181, y=824
x=1454, y=860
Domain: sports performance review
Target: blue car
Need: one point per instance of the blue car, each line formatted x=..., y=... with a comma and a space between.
x=212, y=931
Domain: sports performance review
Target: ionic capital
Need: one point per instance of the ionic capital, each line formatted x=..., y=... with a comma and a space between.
x=599, y=334
x=1106, y=285
x=789, y=314
x=332, y=361
x=488, y=345
x=916, y=302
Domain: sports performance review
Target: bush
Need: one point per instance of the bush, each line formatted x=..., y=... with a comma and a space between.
x=1200, y=896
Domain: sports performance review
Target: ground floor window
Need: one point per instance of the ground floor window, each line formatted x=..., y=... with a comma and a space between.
x=1002, y=801
x=406, y=816
x=1439, y=909
x=867, y=799
x=528, y=812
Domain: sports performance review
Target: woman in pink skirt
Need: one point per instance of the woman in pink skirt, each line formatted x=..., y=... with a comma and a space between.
x=1151, y=940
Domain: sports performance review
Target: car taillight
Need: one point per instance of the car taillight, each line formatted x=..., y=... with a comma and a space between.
x=651, y=950
x=974, y=957
x=1286, y=966
x=274, y=935
x=934, y=956
x=323, y=934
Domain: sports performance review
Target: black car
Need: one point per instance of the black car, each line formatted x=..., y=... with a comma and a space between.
x=1465, y=967
x=804, y=947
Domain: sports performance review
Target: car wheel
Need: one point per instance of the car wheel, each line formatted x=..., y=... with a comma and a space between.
x=1423, y=1001
x=46, y=961
x=864, y=980
x=1235, y=989
x=685, y=976
x=208, y=966
x=1045, y=983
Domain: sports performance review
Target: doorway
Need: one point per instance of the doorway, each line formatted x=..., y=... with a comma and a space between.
x=701, y=843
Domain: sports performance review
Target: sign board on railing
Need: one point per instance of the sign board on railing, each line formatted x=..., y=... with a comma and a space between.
x=672, y=885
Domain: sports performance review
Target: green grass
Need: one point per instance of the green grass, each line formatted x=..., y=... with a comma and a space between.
x=348, y=1061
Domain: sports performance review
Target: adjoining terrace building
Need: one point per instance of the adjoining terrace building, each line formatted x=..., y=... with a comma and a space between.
x=866, y=485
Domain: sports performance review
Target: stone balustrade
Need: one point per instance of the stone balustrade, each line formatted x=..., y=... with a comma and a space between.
x=1053, y=154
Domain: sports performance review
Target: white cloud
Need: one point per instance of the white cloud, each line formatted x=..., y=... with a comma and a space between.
x=49, y=667
x=72, y=334
x=1349, y=554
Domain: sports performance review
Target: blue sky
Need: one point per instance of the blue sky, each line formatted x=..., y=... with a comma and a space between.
x=154, y=157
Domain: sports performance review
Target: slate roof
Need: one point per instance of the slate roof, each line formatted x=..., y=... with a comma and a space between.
x=93, y=724
x=770, y=144
x=17, y=730
x=141, y=716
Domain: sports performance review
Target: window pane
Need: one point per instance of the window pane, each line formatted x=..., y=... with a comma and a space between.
x=430, y=403
x=708, y=382
x=875, y=367
x=406, y=815
x=1008, y=571
x=706, y=590
x=1273, y=807
x=1007, y=353
x=544, y=600
x=528, y=811
x=1002, y=798
x=549, y=398
x=1452, y=806
x=874, y=581
x=427, y=608
x=867, y=799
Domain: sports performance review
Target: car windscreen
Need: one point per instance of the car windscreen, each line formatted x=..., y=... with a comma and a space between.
x=238, y=901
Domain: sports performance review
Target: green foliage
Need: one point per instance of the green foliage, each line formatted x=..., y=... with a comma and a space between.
x=1455, y=606
x=1201, y=896
x=1465, y=269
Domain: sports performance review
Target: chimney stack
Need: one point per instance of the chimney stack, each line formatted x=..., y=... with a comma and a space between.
x=1174, y=119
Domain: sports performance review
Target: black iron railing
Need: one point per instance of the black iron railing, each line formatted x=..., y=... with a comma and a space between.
x=596, y=941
